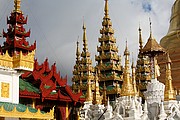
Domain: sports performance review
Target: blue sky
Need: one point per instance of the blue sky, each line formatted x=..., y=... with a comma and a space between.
x=56, y=25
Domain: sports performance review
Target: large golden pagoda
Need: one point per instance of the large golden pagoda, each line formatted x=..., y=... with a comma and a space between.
x=83, y=70
x=108, y=60
x=171, y=42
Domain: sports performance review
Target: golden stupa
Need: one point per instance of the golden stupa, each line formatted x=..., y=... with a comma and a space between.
x=171, y=42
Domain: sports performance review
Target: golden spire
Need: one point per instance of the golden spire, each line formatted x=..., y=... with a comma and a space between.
x=140, y=39
x=126, y=52
x=133, y=68
x=84, y=38
x=169, y=93
x=96, y=94
x=150, y=28
x=127, y=87
x=77, y=53
x=104, y=101
x=106, y=9
x=89, y=91
x=17, y=6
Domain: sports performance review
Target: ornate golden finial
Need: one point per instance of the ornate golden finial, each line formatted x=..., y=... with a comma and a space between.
x=84, y=38
x=150, y=27
x=89, y=92
x=106, y=9
x=17, y=6
x=126, y=52
x=134, y=77
x=96, y=94
x=127, y=87
x=104, y=100
x=77, y=52
x=140, y=39
x=169, y=93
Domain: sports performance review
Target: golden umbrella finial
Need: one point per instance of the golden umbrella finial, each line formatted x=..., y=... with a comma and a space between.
x=17, y=6
x=77, y=52
x=150, y=27
x=140, y=38
x=84, y=37
x=106, y=9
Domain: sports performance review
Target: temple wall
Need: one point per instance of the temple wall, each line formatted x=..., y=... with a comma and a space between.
x=9, y=86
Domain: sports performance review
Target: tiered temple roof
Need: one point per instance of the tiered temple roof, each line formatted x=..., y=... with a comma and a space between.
x=108, y=60
x=76, y=71
x=48, y=83
x=44, y=88
x=16, y=34
x=142, y=67
x=21, y=54
x=83, y=70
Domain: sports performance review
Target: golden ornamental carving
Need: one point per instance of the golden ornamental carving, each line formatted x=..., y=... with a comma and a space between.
x=19, y=61
x=88, y=61
x=24, y=61
x=26, y=114
x=5, y=90
x=107, y=47
x=109, y=66
x=107, y=38
x=105, y=56
x=108, y=22
x=17, y=6
x=107, y=77
x=86, y=68
x=107, y=30
x=6, y=60
x=85, y=54
x=85, y=77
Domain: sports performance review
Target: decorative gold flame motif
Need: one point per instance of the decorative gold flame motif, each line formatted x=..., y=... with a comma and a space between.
x=5, y=90
x=17, y=6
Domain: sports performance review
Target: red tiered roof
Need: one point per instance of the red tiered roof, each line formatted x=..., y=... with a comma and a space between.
x=50, y=84
x=16, y=35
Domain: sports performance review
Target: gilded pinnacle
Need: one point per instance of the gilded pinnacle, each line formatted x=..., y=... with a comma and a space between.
x=169, y=93
x=150, y=28
x=106, y=9
x=84, y=38
x=17, y=6
x=126, y=52
x=89, y=92
x=134, y=78
x=140, y=39
x=96, y=94
x=77, y=52
x=127, y=86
